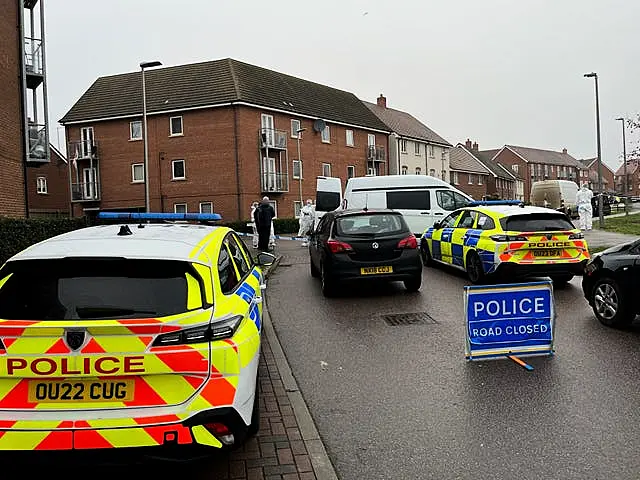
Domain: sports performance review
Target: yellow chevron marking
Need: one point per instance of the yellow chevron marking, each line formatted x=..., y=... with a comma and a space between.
x=128, y=437
x=204, y=437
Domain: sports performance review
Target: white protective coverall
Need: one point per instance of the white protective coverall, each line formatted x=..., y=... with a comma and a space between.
x=307, y=214
x=585, y=211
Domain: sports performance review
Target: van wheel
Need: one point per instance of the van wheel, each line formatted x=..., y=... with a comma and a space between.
x=425, y=254
x=475, y=270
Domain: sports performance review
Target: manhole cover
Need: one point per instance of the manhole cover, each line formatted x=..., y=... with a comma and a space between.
x=399, y=319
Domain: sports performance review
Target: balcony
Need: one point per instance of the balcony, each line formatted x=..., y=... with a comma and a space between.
x=272, y=182
x=274, y=139
x=83, y=150
x=38, y=151
x=33, y=62
x=85, y=192
x=376, y=154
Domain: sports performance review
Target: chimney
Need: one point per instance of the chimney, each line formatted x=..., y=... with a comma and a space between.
x=475, y=146
x=382, y=101
x=564, y=150
x=468, y=144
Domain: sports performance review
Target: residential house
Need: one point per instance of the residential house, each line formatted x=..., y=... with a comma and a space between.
x=468, y=173
x=633, y=178
x=534, y=164
x=221, y=135
x=608, y=180
x=23, y=105
x=413, y=147
x=501, y=183
x=48, y=187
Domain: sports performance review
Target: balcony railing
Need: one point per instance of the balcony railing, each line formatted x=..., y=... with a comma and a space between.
x=275, y=182
x=82, y=150
x=271, y=138
x=38, y=143
x=376, y=154
x=33, y=56
x=85, y=192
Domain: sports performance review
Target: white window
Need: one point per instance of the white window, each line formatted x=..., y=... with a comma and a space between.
x=349, y=139
x=514, y=168
x=177, y=170
x=326, y=169
x=175, y=126
x=351, y=171
x=470, y=179
x=41, y=185
x=180, y=208
x=405, y=170
x=206, y=207
x=431, y=152
x=274, y=204
x=297, y=169
x=371, y=140
x=135, y=130
x=326, y=135
x=432, y=172
x=403, y=146
x=479, y=179
x=137, y=173
x=454, y=178
x=416, y=147
x=297, y=208
x=295, y=129
x=418, y=170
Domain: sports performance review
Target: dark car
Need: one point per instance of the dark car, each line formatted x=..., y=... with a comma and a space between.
x=611, y=283
x=364, y=245
x=606, y=205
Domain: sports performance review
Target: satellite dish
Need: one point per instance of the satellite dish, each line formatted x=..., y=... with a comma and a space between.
x=319, y=125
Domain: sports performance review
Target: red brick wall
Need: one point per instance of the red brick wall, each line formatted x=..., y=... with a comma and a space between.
x=508, y=159
x=476, y=191
x=56, y=200
x=606, y=175
x=12, y=199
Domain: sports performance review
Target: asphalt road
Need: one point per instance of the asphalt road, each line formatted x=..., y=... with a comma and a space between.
x=401, y=402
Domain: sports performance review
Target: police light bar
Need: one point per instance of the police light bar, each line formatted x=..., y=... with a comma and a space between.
x=159, y=216
x=477, y=203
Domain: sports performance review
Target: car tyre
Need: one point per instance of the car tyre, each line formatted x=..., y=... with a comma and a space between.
x=328, y=288
x=475, y=270
x=425, y=255
x=315, y=273
x=414, y=284
x=255, y=414
x=560, y=280
x=609, y=305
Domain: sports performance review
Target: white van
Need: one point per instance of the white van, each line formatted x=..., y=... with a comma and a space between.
x=557, y=194
x=422, y=199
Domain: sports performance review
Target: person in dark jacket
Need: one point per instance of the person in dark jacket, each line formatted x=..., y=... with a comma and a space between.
x=263, y=217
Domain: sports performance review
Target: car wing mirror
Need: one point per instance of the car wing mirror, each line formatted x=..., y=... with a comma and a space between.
x=265, y=259
x=437, y=226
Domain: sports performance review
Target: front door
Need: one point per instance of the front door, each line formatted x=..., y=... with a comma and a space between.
x=269, y=174
x=89, y=183
x=86, y=144
x=266, y=121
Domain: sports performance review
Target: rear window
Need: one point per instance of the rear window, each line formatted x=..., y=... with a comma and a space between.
x=539, y=222
x=374, y=224
x=92, y=289
x=327, y=201
x=409, y=200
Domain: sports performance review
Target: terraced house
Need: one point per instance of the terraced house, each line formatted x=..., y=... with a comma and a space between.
x=221, y=134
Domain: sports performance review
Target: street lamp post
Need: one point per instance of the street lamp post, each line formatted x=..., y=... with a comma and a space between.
x=600, y=199
x=298, y=132
x=143, y=66
x=624, y=160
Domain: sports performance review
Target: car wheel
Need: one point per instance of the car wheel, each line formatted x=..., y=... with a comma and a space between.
x=560, y=280
x=315, y=273
x=414, y=284
x=425, y=254
x=475, y=270
x=328, y=288
x=609, y=305
x=255, y=414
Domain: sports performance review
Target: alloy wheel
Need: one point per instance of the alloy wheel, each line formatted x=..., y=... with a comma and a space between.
x=606, y=301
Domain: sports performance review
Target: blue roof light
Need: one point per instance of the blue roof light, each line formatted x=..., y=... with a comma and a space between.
x=478, y=203
x=159, y=216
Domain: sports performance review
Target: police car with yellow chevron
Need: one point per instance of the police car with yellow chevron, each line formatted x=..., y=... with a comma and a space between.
x=131, y=335
x=506, y=239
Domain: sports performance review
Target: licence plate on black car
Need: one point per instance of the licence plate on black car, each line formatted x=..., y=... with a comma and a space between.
x=375, y=270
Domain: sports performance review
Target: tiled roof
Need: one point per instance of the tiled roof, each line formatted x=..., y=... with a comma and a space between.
x=632, y=166
x=214, y=83
x=550, y=157
x=461, y=159
x=486, y=157
x=405, y=125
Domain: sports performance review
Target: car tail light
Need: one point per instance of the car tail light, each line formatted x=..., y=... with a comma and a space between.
x=336, y=246
x=221, y=432
x=217, y=330
x=409, y=242
x=576, y=236
x=508, y=238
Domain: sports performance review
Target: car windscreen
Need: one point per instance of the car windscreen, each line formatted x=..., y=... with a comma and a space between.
x=536, y=222
x=92, y=289
x=371, y=224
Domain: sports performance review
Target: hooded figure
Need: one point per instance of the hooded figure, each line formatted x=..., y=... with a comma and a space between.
x=263, y=217
x=585, y=210
x=307, y=214
x=254, y=238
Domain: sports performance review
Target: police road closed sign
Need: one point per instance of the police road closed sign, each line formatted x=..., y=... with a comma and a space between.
x=514, y=319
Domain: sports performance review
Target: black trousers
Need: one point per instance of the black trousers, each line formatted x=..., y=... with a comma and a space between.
x=263, y=238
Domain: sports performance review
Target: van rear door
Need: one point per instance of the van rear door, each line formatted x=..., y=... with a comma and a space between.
x=328, y=195
x=415, y=204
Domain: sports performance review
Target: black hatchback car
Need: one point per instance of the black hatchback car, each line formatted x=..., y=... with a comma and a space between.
x=364, y=245
x=611, y=283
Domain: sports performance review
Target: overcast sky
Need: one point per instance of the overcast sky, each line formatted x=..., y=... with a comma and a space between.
x=495, y=71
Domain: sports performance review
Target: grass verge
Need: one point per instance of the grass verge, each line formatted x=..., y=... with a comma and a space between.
x=627, y=224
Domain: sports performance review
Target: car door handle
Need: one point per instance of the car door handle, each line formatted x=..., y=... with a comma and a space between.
x=425, y=213
x=438, y=213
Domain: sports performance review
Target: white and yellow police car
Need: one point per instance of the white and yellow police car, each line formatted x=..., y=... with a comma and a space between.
x=131, y=336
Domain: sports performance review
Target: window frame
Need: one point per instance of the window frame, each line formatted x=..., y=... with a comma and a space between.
x=418, y=171
x=404, y=169
x=171, y=132
x=41, y=181
x=179, y=204
x=323, y=169
x=325, y=135
x=200, y=204
x=131, y=137
x=454, y=177
x=294, y=131
x=173, y=169
x=416, y=148
x=480, y=182
x=133, y=170
x=293, y=170
x=353, y=170
x=347, y=137
x=297, y=208
x=431, y=150
x=403, y=145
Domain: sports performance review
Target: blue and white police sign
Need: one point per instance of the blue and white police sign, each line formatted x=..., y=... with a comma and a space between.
x=514, y=319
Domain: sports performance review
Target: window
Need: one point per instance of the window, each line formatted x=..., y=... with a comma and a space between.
x=349, y=135
x=485, y=222
x=227, y=274
x=175, y=126
x=135, y=130
x=297, y=208
x=431, y=152
x=327, y=201
x=546, y=170
x=180, y=208
x=295, y=126
x=532, y=169
x=409, y=200
x=403, y=146
x=137, y=173
x=371, y=140
x=467, y=219
x=351, y=171
x=177, y=170
x=432, y=172
x=326, y=135
x=206, y=207
x=326, y=169
x=450, y=220
x=470, y=179
x=443, y=175
x=539, y=222
x=514, y=168
x=449, y=200
x=41, y=185
x=238, y=256
x=454, y=178
x=297, y=169
x=405, y=169
x=371, y=224
x=416, y=147
x=479, y=179
x=418, y=170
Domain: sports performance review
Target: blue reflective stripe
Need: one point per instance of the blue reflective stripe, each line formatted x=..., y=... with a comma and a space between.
x=435, y=246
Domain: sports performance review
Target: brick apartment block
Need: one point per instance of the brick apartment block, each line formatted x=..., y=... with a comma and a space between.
x=48, y=187
x=221, y=135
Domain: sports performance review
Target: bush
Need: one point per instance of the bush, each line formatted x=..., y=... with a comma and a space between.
x=18, y=234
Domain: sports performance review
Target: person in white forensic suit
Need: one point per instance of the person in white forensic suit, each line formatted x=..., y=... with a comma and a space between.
x=307, y=214
x=585, y=210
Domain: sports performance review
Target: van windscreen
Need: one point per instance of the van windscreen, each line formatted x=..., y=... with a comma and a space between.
x=409, y=200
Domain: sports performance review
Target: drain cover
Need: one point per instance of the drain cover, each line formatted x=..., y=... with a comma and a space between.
x=399, y=319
